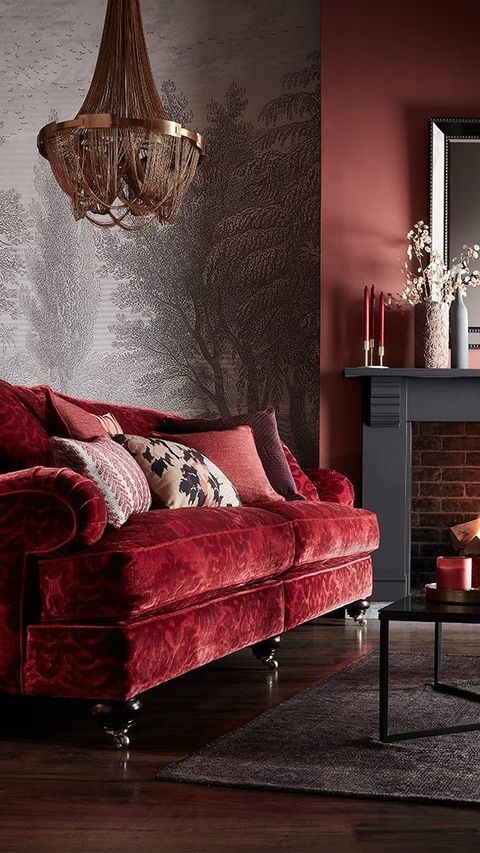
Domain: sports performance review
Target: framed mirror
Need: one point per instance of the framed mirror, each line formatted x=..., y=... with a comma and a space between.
x=455, y=197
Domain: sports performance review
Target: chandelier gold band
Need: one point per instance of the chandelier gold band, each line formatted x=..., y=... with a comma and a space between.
x=105, y=120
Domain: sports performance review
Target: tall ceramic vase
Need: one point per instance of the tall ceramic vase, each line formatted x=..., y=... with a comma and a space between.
x=431, y=334
x=459, y=331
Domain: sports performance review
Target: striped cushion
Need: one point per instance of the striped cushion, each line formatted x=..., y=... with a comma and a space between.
x=115, y=474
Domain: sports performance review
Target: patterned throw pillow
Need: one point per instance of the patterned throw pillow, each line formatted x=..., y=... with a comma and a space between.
x=112, y=469
x=71, y=421
x=179, y=476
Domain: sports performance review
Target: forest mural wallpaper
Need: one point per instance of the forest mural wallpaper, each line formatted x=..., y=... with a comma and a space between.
x=217, y=312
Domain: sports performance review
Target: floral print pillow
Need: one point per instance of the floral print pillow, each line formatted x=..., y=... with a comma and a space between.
x=179, y=476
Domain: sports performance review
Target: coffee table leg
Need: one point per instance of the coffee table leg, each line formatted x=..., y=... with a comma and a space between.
x=437, y=672
x=384, y=637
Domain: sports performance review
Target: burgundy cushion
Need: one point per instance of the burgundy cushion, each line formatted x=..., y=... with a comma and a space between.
x=120, y=661
x=327, y=530
x=23, y=438
x=159, y=559
x=267, y=441
x=317, y=588
x=303, y=484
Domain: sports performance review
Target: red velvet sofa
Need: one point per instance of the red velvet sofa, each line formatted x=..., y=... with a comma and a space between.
x=107, y=614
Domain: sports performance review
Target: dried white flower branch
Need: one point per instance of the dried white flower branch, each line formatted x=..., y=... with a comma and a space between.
x=427, y=277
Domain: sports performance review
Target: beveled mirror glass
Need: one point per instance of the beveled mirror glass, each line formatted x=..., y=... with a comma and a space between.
x=455, y=197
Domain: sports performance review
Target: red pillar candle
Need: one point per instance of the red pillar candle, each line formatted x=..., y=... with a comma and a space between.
x=454, y=572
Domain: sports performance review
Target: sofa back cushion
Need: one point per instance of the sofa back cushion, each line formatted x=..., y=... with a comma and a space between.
x=179, y=476
x=24, y=440
x=121, y=482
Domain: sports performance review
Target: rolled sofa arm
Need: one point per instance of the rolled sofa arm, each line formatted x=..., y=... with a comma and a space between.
x=43, y=509
x=332, y=486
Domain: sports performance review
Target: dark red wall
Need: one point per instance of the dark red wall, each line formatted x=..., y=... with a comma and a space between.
x=387, y=67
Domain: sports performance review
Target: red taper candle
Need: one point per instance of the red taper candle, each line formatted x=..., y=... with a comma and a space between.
x=381, y=328
x=366, y=322
x=372, y=322
x=372, y=313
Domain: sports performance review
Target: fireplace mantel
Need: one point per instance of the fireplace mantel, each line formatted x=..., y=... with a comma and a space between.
x=392, y=399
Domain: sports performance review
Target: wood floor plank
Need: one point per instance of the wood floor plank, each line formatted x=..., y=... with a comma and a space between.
x=64, y=790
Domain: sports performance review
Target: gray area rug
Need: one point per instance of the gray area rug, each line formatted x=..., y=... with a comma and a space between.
x=324, y=740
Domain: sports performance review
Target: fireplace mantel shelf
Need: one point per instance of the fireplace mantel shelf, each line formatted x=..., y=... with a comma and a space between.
x=410, y=373
x=393, y=399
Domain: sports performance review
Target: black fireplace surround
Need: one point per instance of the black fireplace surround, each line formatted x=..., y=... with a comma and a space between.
x=393, y=398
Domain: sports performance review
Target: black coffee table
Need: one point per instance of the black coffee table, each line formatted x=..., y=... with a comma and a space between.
x=416, y=609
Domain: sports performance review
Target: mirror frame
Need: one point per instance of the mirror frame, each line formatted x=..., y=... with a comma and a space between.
x=443, y=131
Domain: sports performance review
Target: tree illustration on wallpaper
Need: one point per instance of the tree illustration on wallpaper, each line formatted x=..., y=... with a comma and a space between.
x=61, y=300
x=223, y=303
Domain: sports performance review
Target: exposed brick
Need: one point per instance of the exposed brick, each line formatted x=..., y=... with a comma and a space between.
x=472, y=490
x=434, y=442
x=441, y=458
x=440, y=520
x=457, y=475
x=440, y=490
x=429, y=504
x=424, y=475
x=472, y=458
x=416, y=489
x=459, y=442
x=416, y=457
x=472, y=429
x=424, y=564
x=426, y=549
x=442, y=428
x=426, y=534
x=415, y=550
x=416, y=425
x=462, y=505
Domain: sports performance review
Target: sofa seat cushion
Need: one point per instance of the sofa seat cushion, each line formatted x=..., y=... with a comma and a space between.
x=324, y=531
x=163, y=559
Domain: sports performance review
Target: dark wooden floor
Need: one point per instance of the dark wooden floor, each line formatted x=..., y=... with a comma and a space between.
x=63, y=790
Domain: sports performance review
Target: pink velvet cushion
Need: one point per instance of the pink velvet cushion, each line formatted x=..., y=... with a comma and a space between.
x=235, y=453
x=119, y=479
x=179, y=476
x=70, y=421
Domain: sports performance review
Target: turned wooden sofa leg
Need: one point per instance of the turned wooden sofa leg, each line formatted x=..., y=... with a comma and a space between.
x=357, y=611
x=116, y=718
x=266, y=650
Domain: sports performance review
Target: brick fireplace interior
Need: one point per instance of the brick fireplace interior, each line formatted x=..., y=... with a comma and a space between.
x=445, y=489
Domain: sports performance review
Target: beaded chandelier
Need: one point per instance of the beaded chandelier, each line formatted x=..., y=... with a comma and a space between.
x=121, y=154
